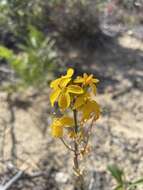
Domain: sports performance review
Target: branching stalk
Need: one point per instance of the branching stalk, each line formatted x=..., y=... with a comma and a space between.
x=66, y=145
x=88, y=135
x=76, y=164
x=79, y=182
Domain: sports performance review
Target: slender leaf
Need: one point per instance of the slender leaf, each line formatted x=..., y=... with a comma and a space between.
x=116, y=173
x=136, y=183
x=119, y=187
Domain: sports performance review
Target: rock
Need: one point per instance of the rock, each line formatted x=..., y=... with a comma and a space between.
x=61, y=177
x=1, y=187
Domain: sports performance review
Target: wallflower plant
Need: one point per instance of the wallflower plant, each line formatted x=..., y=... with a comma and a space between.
x=75, y=98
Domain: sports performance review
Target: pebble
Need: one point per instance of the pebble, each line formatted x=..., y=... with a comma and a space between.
x=61, y=177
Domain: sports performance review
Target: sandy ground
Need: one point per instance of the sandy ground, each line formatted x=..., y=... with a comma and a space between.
x=118, y=134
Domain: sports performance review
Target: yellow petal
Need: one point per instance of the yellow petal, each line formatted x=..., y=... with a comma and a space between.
x=64, y=100
x=85, y=76
x=72, y=134
x=66, y=120
x=79, y=80
x=80, y=100
x=75, y=89
x=89, y=79
x=57, y=131
x=93, y=88
x=96, y=108
x=91, y=108
x=64, y=82
x=55, y=83
x=95, y=80
x=86, y=112
x=69, y=74
x=54, y=96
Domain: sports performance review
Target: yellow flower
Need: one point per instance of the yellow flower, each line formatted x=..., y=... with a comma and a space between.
x=63, y=80
x=62, y=89
x=87, y=80
x=90, y=109
x=62, y=95
x=59, y=124
x=80, y=100
x=87, y=106
x=57, y=129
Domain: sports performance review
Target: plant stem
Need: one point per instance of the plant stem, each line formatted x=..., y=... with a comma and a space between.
x=88, y=135
x=76, y=164
x=66, y=145
x=79, y=182
x=12, y=130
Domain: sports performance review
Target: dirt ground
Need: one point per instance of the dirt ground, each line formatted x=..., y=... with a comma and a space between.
x=117, y=136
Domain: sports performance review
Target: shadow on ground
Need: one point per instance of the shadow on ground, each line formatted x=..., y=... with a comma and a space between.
x=109, y=61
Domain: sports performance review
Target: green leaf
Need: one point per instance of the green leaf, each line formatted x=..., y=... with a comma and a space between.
x=140, y=181
x=36, y=37
x=5, y=52
x=119, y=187
x=136, y=183
x=116, y=173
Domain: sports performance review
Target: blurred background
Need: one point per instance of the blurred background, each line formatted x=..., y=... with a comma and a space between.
x=39, y=40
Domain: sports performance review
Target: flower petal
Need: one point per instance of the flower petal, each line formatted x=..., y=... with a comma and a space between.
x=69, y=74
x=57, y=131
x=66, y=120
x=55, y=83
x=54, y=96
x=79, y=80
x=91, y=108
x=72, y=134
x=64, y=100
x=75, y=89
x=89, y=79
x=80, y=100
x=96, y=108
x=94, y=80
x=64, y=82
x=93, y=88
x=85, y=76
x=86, y=110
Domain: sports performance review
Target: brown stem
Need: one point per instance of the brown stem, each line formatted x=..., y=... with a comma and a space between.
x=66, y=145
x=79, y=182
x=12, y=122
x=76, y=164
x=88, y=135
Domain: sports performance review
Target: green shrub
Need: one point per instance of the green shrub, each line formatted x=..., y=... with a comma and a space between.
x=35, y=60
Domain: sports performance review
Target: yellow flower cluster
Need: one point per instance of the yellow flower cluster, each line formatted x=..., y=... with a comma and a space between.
x=74, y=94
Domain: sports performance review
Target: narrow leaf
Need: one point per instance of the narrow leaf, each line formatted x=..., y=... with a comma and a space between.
x=116, y=173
